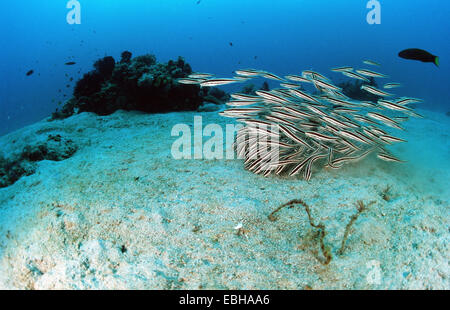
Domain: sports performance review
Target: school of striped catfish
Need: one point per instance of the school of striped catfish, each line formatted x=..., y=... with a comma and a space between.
x=292, y=131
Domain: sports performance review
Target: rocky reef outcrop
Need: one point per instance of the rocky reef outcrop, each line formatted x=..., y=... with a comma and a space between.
x=55, y=148
x=352, y=89
x=139, y=83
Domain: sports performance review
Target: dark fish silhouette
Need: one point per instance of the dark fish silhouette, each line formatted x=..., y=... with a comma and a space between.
x=30, y=72
x=70, y=63
x=418, y=54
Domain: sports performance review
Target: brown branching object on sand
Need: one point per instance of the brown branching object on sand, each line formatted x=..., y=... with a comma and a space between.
x=321, y=230
x=361, y=207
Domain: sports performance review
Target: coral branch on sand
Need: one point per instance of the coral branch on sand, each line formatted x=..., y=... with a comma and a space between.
x=292, y=130
x=321, y=230
x=327, y=257
x=361, y=207
x=386, y=193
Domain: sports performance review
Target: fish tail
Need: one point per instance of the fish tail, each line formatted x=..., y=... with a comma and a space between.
x=436, y=61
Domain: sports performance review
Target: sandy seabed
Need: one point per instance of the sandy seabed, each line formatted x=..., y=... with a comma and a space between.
x=121, y=213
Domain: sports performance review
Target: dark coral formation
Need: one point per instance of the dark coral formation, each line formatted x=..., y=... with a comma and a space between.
x=91, y=83
x=139, y=83
x=55, y=148
x=126, y=57
x=265, y=86
x=352, y=89
x=214, y=95
x=105, y=66
x=13, y=170
x=251, y=90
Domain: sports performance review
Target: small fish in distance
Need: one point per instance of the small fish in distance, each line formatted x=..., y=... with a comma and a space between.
x=392, y=85
x=70, y=63
x=218, y=82
x=371, y=63
x=418, y=54
x=30, y=72
x=370, y=73
x=342, y=69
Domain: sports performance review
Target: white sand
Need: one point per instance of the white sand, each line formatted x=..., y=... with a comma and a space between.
x=65, y=226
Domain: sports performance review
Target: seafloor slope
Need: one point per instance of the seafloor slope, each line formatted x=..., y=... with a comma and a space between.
x=121, y=213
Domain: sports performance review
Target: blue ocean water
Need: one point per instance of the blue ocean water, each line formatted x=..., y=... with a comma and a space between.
x=284, y=37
